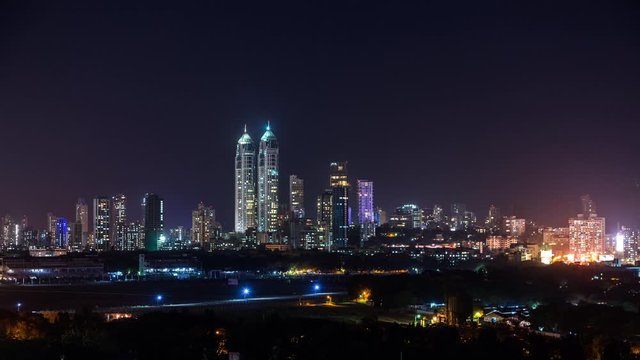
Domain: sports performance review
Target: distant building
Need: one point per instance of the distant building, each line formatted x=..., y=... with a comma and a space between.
x=513, y=226
x=494, y=219
x=153, y=224
x=296, y=197
x=119, y=222
x=407, y=216
x=245, y=184
x=134, y=236
x=203, y=224
x=499, y=243
x=458, y=211
x=52, y=222
x=586, y=237
x=82, y=217
x=366, y=217
x=62, y=233
x=556, y=240
x=339, y=203
x=102, y=222
x=627, y=245
x=268, y=179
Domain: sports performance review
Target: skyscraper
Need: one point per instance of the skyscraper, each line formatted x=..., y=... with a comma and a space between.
x=365, y=210
x=296, y=197
x=101, y=222
x=268, y=173
x=324, y=213
x=52, y=222
x=82, y=217
x=153, y=225
x=586, y=236
x=339, y=203
x=245, y=184
x=493, y=218
x=62, y=233
x=119, y=222
x=203, y=222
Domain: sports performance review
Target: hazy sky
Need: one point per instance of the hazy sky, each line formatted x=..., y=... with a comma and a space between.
x=523, y=104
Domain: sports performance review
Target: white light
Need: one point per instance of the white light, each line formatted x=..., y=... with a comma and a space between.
x=620, y=242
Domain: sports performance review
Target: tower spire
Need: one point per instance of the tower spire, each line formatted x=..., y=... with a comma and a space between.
x=268, y=124
x=245, y=128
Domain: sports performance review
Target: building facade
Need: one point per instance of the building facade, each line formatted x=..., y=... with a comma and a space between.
x=153, y=223
x=366, y=213
x=268, y=178
x=203, y=224
x=296, y=197
x=119, y=223
x=245, y=184
x=586, y=237
x=101, y=222
x=339, y=203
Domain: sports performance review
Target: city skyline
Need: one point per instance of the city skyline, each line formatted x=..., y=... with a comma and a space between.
x=446, y=100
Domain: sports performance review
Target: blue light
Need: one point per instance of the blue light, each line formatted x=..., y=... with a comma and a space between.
x=159, y=297
x=316, y=287
x=246, y=291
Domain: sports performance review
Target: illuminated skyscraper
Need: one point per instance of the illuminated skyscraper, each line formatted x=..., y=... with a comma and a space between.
x=82, y=217
x=586, y=236
x=119, y=224
x=323, y=208
x=101, y=222
x=245, y=184
x=203, y=223
x=407, y=216
x=627, y=245
x=365, y=210
x=296, y=196
x=268, y=158
x=62, y=233
x=339, y=203
x=153, y=225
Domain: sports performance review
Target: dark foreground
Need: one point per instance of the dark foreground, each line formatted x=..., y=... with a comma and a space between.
x=305, y=332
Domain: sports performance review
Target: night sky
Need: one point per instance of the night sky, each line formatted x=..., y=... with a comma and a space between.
x=526, y=105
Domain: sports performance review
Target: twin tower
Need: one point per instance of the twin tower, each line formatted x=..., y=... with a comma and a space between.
x=257, y=196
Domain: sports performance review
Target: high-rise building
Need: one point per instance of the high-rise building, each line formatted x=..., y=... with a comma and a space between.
x=380, y=216
x=135, y=235
x=366, y=217
x=458, y=211
x=245, y=184
x=268, y=174
x=323, y=208
x=438, y=214
x=203, y=223
x=339, y=203
x=407, y=216
x=9, y=232
x=586, y=236
x=627, y=244
x=62, y=233
x=296, y=197
x=153, y=224
x=75, y=236
x=102, y=222
x=588, y=205
x=52, y=222
x=493, y=218
x=82, y=217
x=513, y=226
x=119, y=223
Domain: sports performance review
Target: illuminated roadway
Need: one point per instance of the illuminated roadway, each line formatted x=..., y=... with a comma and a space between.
x=235, y=301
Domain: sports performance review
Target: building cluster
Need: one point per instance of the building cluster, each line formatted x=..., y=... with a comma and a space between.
x=346, y=218
x=262, y=220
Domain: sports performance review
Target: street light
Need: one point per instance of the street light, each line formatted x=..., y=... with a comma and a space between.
x=245, y=292
x=19, y=305
x=316, y=287
x=158, y=299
